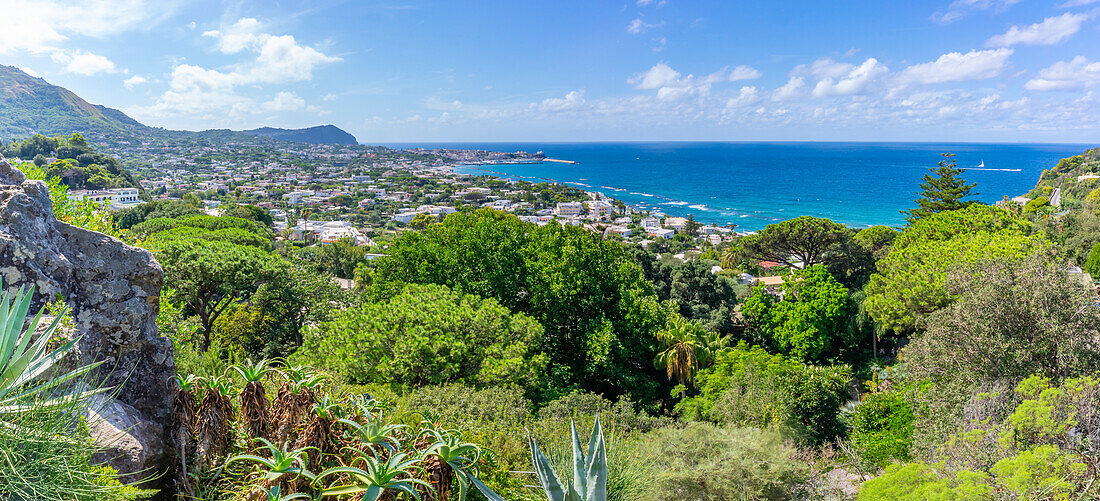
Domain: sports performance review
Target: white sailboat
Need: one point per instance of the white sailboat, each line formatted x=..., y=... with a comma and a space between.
x=982, y=165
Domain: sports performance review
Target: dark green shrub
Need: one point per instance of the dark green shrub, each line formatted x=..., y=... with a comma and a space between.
x=1092, y=266
x=882, y=428
x=748, y=386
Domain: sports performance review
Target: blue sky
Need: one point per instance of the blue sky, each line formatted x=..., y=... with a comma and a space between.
x=569, y=70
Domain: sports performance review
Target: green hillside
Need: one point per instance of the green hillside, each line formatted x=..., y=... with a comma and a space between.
x=30, y=105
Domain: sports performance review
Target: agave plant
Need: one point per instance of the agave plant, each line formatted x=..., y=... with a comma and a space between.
x=23, y=360
x=373, y=477
x=282, y=465
x=589, y=470
x=255, y=409
x=449, y=456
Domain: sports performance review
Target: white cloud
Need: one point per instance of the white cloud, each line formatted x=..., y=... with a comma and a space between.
x=962, y=8
x=329, y=97
x=1077, y=3
x=958, y=67
x=84, y=63
x=660, y=75
x=134, y=81
x=277, y=59
x=1049, y=32
x=1066, y=75
x=29, y=71
x=285, y=101
x=743, y=73
x=571, y=101
x=854, y=82
x=637, y=26
x=791, y=89
x=671, y=85
x=245, y=33
x=42, y=26
x=747, y=96
x=643, y=3
x=823, y=68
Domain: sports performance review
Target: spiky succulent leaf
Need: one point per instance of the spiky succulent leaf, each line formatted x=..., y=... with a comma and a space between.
x=551, y=485
x=596, y=466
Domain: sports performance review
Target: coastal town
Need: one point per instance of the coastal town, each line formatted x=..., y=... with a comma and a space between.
x=318, y=193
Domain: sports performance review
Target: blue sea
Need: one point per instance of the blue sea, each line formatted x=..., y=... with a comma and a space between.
x=752, y=185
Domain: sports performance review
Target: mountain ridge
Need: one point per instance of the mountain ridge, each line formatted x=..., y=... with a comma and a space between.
x=30, y=105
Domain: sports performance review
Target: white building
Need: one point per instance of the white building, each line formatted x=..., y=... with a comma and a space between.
x=114, y=199
x=569, y=209
x=406, y=216
x=676, y=223
x=662, y=233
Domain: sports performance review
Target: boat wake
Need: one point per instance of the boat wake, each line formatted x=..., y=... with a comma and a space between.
x=996, y=170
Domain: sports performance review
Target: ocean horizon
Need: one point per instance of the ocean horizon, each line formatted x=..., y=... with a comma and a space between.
x=753, y=184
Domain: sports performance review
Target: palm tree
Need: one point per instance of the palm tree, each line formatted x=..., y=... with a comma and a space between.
x=731, y=258
x=682, y=345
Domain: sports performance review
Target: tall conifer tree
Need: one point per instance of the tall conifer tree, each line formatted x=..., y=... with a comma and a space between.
x=942, y=190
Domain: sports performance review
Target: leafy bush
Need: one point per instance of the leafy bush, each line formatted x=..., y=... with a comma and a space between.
x=912, y=280
x=172, y=209
x=704, y=461
x=1092, y=265
x=922, y=482
x=806, y=321
x=882, y=428
x=159, y=224
x=1010, y=319
x=429, y=334
x=1041, y=473
x=232, y=235
x=748, y=386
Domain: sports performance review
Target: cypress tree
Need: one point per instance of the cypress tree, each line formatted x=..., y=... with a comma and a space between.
x=942, y=190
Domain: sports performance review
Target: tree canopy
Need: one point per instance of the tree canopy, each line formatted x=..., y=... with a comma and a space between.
x=210, y=276
x=806, y=321
x=429, y=334
x=912, y=279
x=941, y=190
x=598, y=311
x=804, y=239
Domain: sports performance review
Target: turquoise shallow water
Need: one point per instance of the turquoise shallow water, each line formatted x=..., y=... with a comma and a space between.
x=755, y=184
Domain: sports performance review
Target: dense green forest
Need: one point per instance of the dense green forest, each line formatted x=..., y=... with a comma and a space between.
x=73, y=161
x=953, y=358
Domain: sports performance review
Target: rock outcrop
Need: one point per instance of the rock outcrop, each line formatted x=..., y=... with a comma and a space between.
x=113, y=290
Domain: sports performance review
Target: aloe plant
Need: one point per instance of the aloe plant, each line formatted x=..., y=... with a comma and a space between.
x=589, y=470
x=279, y=462
x=375, y=433
x=375, y=477
x=23, y=360
x=461, y=459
